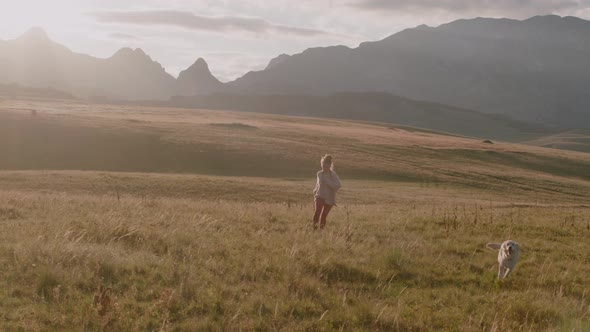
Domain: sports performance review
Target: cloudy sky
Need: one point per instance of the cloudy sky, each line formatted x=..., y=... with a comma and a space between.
x=237, y=36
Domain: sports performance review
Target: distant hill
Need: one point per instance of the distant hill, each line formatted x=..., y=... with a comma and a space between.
x=14, y=90
x=35, y=60
x=535, y=70
x=379, y=107
x=576, y=140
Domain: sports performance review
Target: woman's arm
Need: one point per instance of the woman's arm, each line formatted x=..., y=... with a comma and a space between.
x=317, y=184
x=333, y=181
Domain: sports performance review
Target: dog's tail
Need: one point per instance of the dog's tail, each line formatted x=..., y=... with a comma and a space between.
x=494, y=246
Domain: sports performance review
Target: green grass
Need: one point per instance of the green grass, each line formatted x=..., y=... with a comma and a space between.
x=110, y=220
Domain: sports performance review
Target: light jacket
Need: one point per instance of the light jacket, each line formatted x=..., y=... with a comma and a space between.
x=326, y=186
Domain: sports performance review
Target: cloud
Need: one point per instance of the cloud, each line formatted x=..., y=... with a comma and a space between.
x=124, y=36
x=508, y=8
x=190, y=21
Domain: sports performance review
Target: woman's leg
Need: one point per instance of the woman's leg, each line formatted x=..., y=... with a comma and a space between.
x=319, y=205
x=324, y=215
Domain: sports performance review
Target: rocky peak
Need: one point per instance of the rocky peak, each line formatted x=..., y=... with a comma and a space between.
x=199, y=69
x=198, y=78
x=129, y=53
x=35, y=34
x=276, y=61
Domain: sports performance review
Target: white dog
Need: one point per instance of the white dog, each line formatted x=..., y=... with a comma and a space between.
x=507, y=256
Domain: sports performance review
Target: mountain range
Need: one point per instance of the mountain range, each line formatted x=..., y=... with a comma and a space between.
x=533, y=70
x=34, y=60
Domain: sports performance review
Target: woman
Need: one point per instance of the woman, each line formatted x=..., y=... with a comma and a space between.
x=325, y=191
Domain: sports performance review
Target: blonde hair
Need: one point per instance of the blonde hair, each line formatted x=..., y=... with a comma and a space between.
x=328, y=160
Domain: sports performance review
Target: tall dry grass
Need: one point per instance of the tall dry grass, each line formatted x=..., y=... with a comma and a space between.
x=92, y=261
x=233, y=249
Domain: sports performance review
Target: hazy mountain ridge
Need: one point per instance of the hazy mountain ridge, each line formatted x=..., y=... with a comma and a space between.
x=131, y=74
x=536, y=69
x=34, y=60
x=277, y=60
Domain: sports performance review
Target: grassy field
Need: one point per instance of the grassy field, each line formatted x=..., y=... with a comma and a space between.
x=152, y=219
